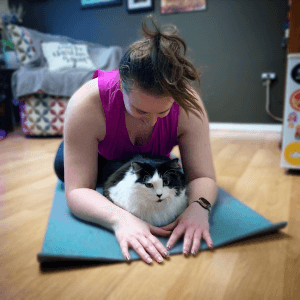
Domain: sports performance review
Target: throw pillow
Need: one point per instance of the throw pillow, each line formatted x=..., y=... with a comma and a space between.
x=22, y=44
x=65, y=55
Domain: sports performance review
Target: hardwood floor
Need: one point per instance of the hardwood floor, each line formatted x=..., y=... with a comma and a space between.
x=267, y=267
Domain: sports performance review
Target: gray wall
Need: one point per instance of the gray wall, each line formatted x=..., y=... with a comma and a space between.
x=233, y=41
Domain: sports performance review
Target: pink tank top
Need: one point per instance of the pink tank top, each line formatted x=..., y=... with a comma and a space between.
x=117, y=144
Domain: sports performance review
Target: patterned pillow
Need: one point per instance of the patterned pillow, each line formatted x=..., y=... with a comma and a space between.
x=66, y=55
x=22, y=44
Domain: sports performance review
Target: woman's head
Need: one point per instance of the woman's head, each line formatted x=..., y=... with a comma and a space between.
x=146, y=107
x=155, y=71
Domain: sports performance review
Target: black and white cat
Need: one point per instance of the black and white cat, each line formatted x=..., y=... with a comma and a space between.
x=153, y=188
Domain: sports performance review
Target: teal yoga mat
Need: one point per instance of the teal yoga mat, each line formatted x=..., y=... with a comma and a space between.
x=69, y=238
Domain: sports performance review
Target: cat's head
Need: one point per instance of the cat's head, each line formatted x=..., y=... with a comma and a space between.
x=158, y=180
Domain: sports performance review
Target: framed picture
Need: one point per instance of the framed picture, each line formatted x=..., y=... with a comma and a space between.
x=136, y=6
x=99, y=3
x=180, y=6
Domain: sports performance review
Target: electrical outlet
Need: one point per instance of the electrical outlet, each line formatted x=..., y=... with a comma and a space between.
x=265, y=76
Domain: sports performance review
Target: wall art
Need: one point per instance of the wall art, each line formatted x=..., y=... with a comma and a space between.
x=136, y=6
x=177, y=6
x=99, y=3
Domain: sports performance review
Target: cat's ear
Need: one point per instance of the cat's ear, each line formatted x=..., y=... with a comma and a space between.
x=174, y=163
x=136, y=166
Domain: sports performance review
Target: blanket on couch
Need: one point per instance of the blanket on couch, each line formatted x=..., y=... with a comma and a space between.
x=34, y=74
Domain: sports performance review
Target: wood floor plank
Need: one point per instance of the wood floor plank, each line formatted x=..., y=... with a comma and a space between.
x=247, y=166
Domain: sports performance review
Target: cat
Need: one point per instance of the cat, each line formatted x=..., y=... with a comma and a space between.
x=152, y=188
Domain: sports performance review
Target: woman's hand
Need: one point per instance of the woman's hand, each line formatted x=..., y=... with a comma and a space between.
x=133, y=232
x=194, y=222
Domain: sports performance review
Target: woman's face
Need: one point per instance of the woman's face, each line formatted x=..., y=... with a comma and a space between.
x=145, y=107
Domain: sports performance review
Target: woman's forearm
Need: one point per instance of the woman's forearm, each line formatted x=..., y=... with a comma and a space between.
x=91, y=206
x=202, y=187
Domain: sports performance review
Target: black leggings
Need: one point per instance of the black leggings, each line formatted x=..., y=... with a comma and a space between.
x=59, y=165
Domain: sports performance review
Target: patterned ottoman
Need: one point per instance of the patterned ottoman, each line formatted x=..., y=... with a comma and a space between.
x=42, y=115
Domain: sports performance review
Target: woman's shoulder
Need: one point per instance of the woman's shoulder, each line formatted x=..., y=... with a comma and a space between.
x=181, y=121
x=185, y=121
x=87, y=97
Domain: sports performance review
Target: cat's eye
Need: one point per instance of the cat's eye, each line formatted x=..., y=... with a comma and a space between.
x=149, y=185
x=166, y=182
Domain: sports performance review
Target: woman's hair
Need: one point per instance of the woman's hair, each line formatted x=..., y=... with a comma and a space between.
x=157, y=67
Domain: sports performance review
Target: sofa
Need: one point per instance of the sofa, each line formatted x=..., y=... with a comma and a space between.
x=51, y=68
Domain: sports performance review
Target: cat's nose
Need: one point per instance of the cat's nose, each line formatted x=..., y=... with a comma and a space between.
x=159, y=195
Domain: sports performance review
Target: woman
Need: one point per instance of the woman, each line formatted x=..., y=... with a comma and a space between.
x=141, y=108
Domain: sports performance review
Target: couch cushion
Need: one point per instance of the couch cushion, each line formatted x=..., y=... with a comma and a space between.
x=66, y=56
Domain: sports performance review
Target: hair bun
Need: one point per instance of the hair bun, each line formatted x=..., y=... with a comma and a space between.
x=157, y=67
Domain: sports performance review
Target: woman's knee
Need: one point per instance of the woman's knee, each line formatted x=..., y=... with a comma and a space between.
x=59, y=162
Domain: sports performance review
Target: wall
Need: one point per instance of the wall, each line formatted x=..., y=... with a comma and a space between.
x=4, y=6
x=232, y=41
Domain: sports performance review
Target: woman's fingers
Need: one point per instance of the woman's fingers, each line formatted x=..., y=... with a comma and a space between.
x=158, y=246
x=155, y=249
x=136, y=234
x=145, y=244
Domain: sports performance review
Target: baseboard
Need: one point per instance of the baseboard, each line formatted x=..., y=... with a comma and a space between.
x=246, y=127
x=246, y=131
